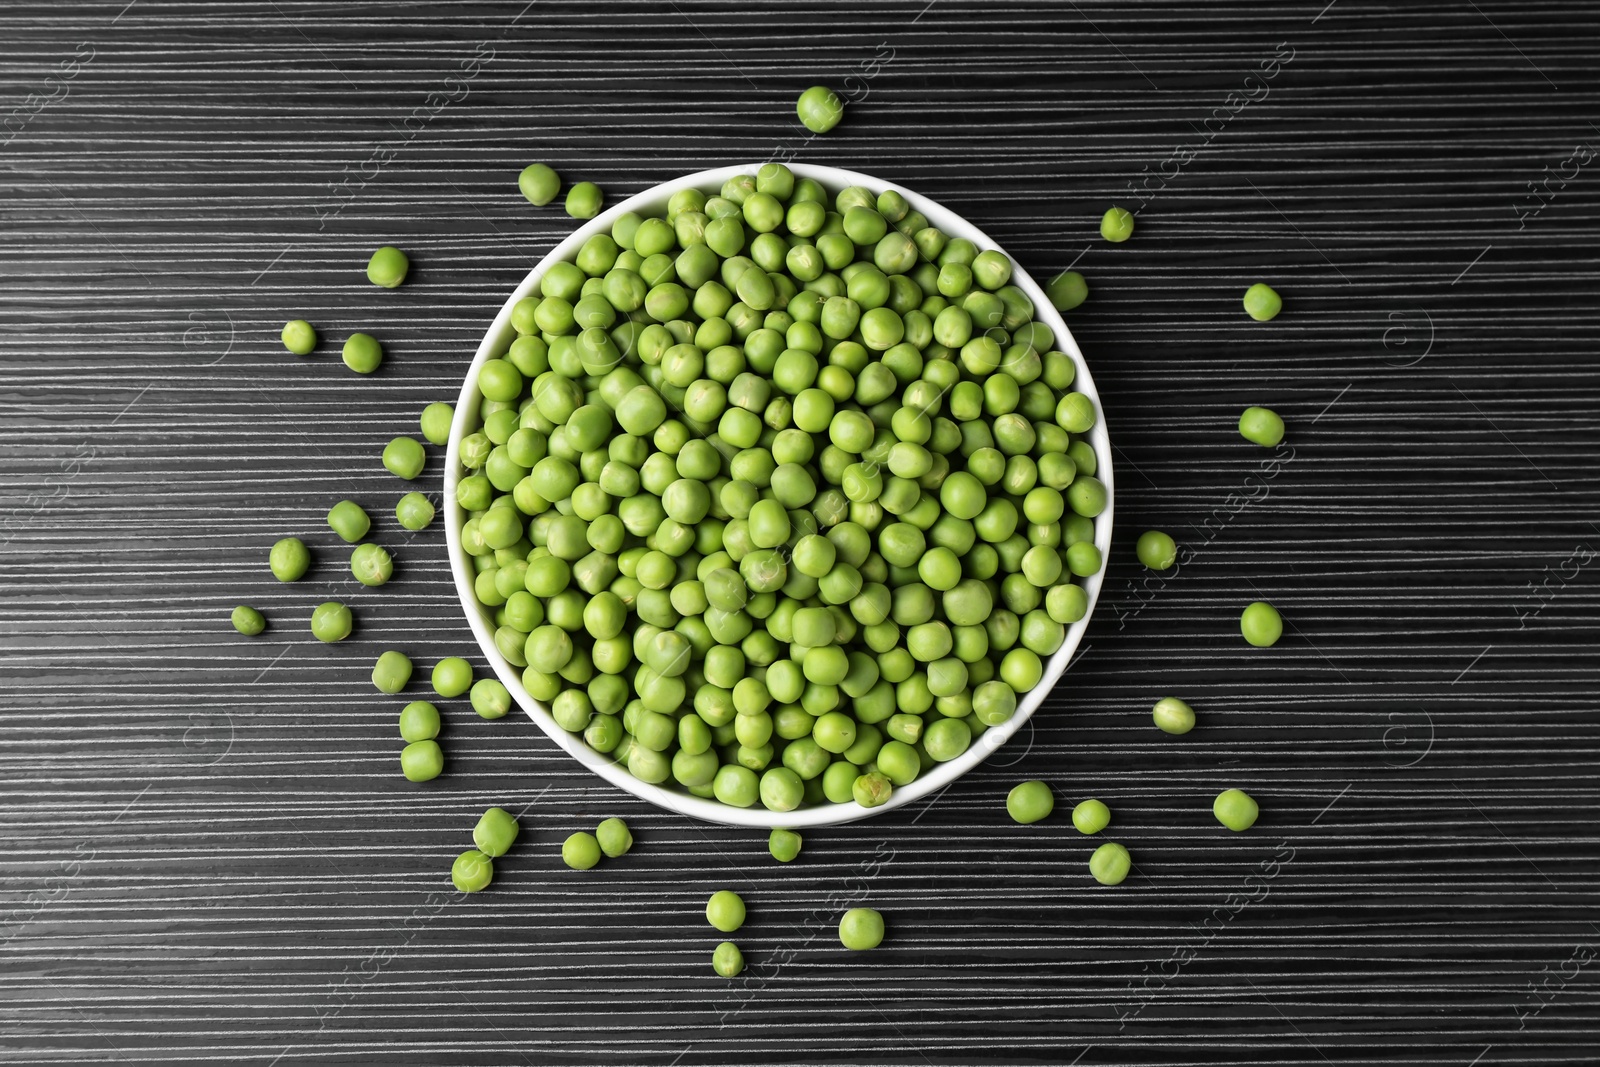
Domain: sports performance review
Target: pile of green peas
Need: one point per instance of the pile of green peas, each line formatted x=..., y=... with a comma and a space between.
x=782, y=498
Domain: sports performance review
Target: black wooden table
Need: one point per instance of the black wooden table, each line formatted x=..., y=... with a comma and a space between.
x=208, y=853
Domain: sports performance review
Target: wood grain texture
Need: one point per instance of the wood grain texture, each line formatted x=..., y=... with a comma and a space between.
x=207, y=854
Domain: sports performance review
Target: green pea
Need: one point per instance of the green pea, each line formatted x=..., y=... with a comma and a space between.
x=1235, y=809
x=495, y=833
x=331, y=621
x=727, y=960
x=490, y=699
x=472, y=871
x=614, y=837
x=404, y=457
x=422, y=761
x=388, y=267
x=819, y=109
x=391, y=672
x=1157, y=550
x=452, y=676
x=1261, y=624
x=1173, y=716
x=1116, y=226
x=539, y=183
x=289, y=559
x=580, y=851
x=1262, y=302
x=1028, y=802
x=248, y=620
x=1262, y=426
x=419, y=721
x=872, y=789
x=1110, y=864
x=414, y=511
x=584, y=200
x=362, y=353
x=861, y=929
x=299, y=337
x=1067, y=290
x=371, y=565
x=784, y=844
x=725, y=911
x=1090, y=817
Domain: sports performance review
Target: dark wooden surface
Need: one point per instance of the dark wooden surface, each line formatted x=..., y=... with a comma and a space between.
x=207, y=853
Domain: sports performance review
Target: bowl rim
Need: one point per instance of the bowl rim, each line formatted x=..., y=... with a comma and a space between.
x=497, y=338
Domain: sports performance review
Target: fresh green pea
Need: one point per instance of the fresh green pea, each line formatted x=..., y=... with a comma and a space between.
x=419, y=721
x=1090, y=817
x=1116, y=226
x=472, y=871
x=1173, y=716
x=1110, y=864
x=388, y=267
x=727, y=960
x=539, y=183
x=1262, y=302
x=819, y=109
x=1235, y=809
x=725, y=910
x=495, y=833
x=452, y=676
x=1157, y=550
x=1028, y=802
x=392, y=671
x=1262, y=426
x=299, y=337
x=614, y=837
x=1067, y=290
x=580, y=851
x=861, y=929
x=362, y=353
x=414, y=511
x=422, y=761
x=1261, y=624
x=584, y=200
x=331, y=621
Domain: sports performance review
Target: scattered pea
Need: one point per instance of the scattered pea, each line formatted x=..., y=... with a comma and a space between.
x=495, y=833
x=248, y=620
x=1157, y=550
x=472, y=871
x=1261, y=624
x=362, y=353
x=331, y=621
x=861, y=929
x=452, y=676
x=371, y=564
x=1110, y=864
x=584, y=200
x=725, y=910
x=784, y=845
x=405, y=458
x=348, y=521
x=1235, y=809
x=539, y=183
x=419, y=721
x=727, y=960
x=490, y=699
x=1091, y=816
x=392, y=671
x=299, y=337
x=1067, y=290
x=289, y=559
x=1173, y=716
x=388, y=267
x=1116, y=225
x=1262, y=426
x=414, y=511
x=1029, y=801
x=614, y=837
x=580, y=851
x=435, y=422
x=1262, y=302
x=819, y=108
x=422, y=761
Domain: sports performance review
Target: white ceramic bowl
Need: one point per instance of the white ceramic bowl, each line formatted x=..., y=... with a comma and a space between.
x=498, y=339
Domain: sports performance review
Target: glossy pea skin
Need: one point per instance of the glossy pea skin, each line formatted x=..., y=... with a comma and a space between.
x=1090, y=816
x=495, y=833
x=1173, y=716
x=1261, y=624
x=348, y=521
x=299, y=337
x=784, y=845
x=414, y=512
x=819, y=109
x=1262, y=302
x=1067, y=290
x=580, y=851
x=435, y=422
x=331, y=621
x=725, y=910
x=419, y=721
x=861, y=929
x=472, y=871
x=248, y=620
x=539, y=183
x=614, y=837
x=584, y=200
x=1235, y=809
x=1116, y=225
x=727, y=960
x=422, y=761
x=371, y=564
x=404, y=457
x=388, y=267
x=1110, y=864
x=362, y=353
x=1028, y=802
x=452, y=676
x=1262, y=426
x=289, y=559
x=490, y=699
x=391, y=672
x=1157, y=550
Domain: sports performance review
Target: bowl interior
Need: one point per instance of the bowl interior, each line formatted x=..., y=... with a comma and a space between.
x=498, y=339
